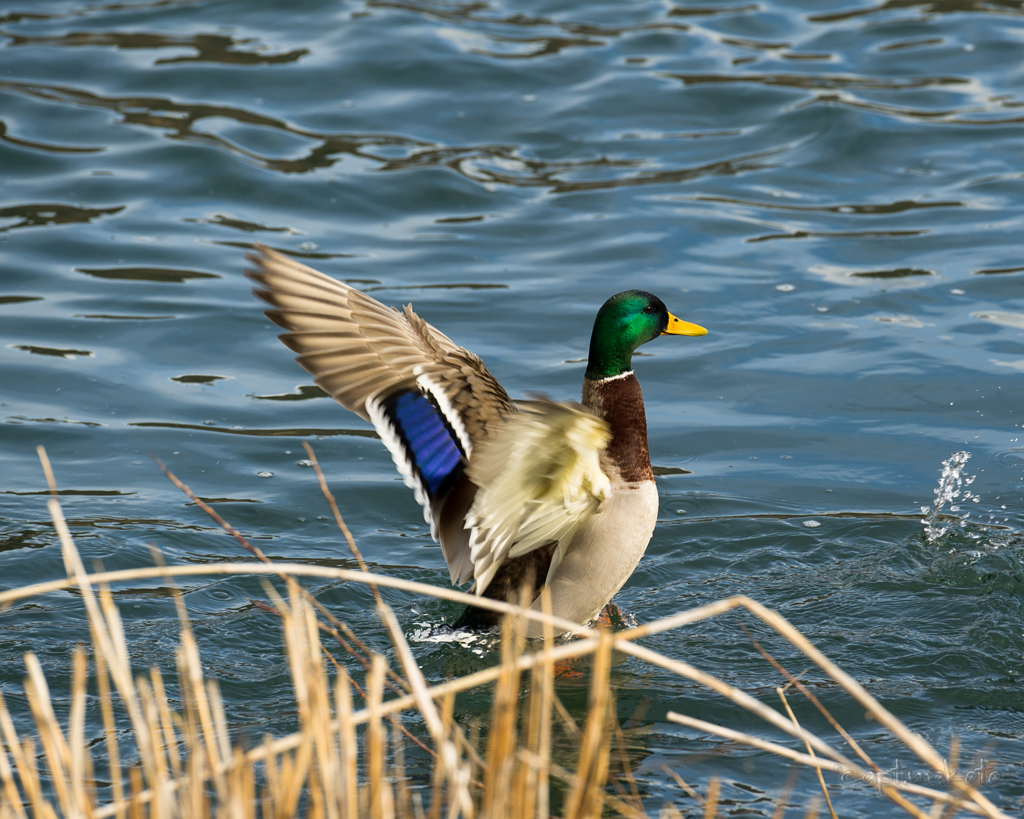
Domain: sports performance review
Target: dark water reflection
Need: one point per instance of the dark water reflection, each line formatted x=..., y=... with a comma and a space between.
x=209, y=47
x=834, y=189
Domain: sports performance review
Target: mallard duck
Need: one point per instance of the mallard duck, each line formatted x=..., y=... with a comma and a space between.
x=540, y=492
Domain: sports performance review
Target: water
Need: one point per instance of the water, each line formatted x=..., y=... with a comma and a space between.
x=834, y=189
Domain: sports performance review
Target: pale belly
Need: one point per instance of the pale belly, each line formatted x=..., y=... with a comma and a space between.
x=603, y=554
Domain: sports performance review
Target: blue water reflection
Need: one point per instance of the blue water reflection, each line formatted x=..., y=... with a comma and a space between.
x=834, y=189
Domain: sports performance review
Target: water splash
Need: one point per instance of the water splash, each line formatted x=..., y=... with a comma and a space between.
x=478, y=643
x=951, y=494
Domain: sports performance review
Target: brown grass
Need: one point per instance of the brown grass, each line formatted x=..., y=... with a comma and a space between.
x=347, y=756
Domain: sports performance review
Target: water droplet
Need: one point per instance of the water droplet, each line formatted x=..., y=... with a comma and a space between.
x=957, y=291
x=304, y=462
x=812, y=524
x=822, y=309
x=308, y=246
x=785, y=288
x=264, y=474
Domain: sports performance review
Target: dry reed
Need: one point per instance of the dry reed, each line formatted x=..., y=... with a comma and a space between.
x=342, y=761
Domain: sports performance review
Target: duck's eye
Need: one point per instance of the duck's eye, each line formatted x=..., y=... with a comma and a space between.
x=649, y=308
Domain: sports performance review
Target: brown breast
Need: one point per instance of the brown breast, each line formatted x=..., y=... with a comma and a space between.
x=620, y=402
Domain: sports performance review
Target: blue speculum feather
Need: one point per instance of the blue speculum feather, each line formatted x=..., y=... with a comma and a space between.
x=430, y=443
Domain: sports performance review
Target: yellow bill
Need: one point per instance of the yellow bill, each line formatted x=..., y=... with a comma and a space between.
x=678, y=327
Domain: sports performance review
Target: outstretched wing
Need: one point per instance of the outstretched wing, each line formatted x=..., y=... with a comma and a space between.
x=431, y=401
x=356, y=347
x=539, y=477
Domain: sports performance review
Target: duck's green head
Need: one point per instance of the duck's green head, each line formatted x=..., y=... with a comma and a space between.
x=623, y=323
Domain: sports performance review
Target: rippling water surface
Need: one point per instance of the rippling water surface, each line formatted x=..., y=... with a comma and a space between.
x=834, y=189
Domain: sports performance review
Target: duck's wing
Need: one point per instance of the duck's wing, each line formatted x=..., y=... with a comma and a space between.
x=356, y=347
x=539, y=477
x=431, y=401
